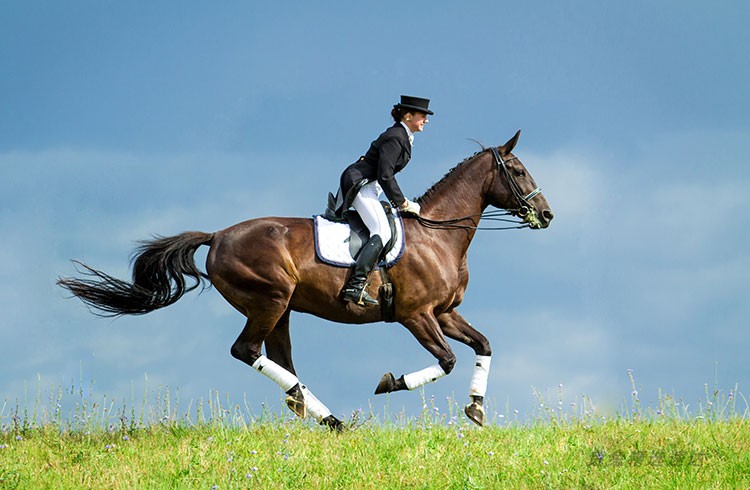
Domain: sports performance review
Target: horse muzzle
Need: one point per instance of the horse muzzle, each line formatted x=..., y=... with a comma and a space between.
x=535, y=220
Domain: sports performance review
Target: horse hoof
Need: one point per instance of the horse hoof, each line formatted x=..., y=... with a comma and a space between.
x=386, y=385
x=333, y=423
x=475, y=412
x=296, y=403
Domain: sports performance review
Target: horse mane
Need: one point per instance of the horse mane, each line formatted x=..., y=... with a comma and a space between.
x=425, y=198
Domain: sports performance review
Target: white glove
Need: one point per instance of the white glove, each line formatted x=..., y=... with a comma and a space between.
x=410, y=207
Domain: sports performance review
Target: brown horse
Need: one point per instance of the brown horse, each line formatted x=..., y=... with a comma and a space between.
x=267, y=267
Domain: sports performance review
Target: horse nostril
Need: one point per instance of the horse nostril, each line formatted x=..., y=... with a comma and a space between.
x=548, y=215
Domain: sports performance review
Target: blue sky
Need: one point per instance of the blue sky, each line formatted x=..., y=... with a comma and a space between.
x=123, y=120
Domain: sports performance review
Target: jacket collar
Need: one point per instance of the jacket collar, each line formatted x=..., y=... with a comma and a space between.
x=409, y=132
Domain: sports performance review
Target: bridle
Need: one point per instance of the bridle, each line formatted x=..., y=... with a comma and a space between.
x=526, y=210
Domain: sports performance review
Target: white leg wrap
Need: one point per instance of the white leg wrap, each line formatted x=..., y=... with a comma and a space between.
x=478, y=385
x=314, y=406
x=426, y=375
x=281, y=376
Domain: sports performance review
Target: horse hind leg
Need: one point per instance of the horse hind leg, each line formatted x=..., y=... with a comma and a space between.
x=279, y=367
x=279, y=350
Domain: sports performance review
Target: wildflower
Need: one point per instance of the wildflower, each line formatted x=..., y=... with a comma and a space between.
x=109, y=447
x=546, y=463
x=4, y=446
x=253, y=452
x=19, y=438
x=490, y=453
x=254, y=468
x=248, y=475
x=125, y=438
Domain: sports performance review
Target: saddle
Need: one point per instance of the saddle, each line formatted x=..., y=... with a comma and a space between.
x=338, y=239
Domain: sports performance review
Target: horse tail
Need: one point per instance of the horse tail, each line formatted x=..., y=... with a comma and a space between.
x=160, y=267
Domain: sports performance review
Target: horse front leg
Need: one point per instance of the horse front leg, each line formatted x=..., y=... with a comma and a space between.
x=457, y=328
x=426, y=330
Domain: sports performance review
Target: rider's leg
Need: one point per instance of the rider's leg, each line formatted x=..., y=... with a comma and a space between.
x=368, y=206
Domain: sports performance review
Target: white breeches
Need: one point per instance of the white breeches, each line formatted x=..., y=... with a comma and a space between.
x=371, y=211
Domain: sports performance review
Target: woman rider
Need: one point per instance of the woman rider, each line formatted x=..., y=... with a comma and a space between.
x=374, y=173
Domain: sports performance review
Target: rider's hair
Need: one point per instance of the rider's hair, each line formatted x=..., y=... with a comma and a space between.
x=398, y=113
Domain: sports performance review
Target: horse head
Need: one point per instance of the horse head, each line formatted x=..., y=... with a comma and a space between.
x=514, y=189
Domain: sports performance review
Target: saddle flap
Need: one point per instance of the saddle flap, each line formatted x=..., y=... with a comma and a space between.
x=360, y=234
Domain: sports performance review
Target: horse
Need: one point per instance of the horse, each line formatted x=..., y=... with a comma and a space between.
x=267, y=267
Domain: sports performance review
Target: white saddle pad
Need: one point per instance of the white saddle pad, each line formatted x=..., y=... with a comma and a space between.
x=332, y=242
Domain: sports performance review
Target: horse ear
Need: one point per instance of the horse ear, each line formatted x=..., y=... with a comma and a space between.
x=508, y=147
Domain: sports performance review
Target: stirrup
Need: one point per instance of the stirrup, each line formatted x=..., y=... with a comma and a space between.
x=359, y=297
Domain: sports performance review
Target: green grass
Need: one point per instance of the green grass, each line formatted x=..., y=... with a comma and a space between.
x=211, y=446
x=616, y=454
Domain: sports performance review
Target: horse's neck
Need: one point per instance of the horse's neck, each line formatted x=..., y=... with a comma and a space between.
x=461, y=192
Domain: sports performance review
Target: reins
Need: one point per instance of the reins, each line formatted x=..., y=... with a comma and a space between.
x=453, y=223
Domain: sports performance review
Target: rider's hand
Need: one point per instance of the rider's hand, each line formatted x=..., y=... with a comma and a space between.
x=410, y=207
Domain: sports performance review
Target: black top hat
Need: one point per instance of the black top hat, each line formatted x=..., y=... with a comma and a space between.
x=415, y=103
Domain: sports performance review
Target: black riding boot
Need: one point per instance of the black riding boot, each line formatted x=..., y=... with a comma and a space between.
x=355, y=289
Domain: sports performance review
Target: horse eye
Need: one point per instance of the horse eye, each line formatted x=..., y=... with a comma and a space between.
x=520, y=173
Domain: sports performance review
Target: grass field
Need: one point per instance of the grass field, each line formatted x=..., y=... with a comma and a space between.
x=219, y=447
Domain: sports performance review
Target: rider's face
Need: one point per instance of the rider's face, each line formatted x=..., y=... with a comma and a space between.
x=415, y=121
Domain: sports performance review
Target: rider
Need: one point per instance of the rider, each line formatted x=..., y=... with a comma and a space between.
x=364, y=180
